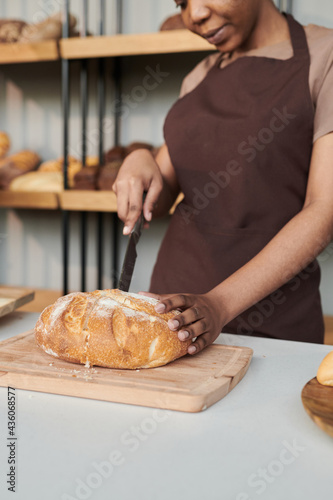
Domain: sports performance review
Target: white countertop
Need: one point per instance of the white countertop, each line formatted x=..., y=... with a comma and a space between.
x=256, y=443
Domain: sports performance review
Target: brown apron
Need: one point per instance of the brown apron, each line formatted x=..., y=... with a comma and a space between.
x=241, y=145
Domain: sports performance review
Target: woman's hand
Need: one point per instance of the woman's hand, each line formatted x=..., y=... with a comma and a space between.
x=139, y=173
x=201, y=317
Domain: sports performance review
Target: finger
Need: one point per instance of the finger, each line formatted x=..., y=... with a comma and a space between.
x=185, y=318
x=201, y=342
x=134, y=207
x=194, y=330
x=122, y=201
x=151, y=199
x=180, y=301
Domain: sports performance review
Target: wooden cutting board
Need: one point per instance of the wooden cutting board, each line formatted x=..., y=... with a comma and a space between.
x=191, y=384
x=11, y=298
x=318, y=402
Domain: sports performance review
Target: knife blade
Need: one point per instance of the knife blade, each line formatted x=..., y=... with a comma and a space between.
x=130, y=256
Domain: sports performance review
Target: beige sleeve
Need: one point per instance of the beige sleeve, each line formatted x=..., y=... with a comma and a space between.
x=323, y=123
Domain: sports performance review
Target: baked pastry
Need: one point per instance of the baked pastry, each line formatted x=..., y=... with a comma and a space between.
x=173, y=23
x=74, y=166
x=107, y=175
x=10, y=30
x=325, y=370
x=15, y=165
x=24, y=160
x=86, y=178
x=117, y=153
x=49, y=29
x=51, y=182
x=4, y=144
x=108, y=328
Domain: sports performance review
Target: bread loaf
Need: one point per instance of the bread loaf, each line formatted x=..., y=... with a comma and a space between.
x=108, y=328
x=24, y=160
x=51, y=182
x=4, y=144
x=325, y=370
x=108, y=174
x=10, y=30
x=49, y=29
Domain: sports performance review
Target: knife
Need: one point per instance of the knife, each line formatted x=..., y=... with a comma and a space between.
x=131, y=254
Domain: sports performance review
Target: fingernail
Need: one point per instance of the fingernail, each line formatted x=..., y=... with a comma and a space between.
x=149, y=216
x=183, y=335
x=173, y=324
x=160, y=308
x=191, y=349
x=126, y=230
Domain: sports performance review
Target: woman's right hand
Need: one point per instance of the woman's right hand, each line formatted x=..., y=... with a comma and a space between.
x=139, y=173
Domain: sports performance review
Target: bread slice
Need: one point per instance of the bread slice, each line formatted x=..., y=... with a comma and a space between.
x=108, y=328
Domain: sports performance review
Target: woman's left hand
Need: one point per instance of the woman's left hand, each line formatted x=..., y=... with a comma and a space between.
x=201, y=317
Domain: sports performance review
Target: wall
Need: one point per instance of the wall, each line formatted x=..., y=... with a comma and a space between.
x=30, y=241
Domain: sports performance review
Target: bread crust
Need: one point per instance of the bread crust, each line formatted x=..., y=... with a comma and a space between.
x=325, y=370
x=108, y=328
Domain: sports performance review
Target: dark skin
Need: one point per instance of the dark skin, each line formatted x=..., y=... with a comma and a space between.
x=236, y=26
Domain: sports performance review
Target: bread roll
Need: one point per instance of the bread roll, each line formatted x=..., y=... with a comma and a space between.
x=108, y=328
x=49, y=29
x=51, y=182
x=10, y=30
x=108, y=174
x=74, y=166
x=325, y=370
x=24, y=160
x=4, y=144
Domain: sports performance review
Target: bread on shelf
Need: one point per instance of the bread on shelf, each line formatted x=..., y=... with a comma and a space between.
x=74, y=166
x=49, y=29
x=4, y=144
x=107, y=175
x=108, y=328
x=50, y=182
x=10, y=30
x=16, y=165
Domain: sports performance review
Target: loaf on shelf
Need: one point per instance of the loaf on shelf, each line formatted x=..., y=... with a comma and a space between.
x=107, y=175
x=10, y=30
x=74, y=166
x=16, y=165
x=51, y=182
x=4, y=144
x=49, y=29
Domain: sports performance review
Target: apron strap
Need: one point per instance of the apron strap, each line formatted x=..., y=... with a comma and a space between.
x=298, y=38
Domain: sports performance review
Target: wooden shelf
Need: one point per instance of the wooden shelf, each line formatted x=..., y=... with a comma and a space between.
x=32, y=200
x=163, y=42
x=88, y=201
x=71, y=200
x=12, y=53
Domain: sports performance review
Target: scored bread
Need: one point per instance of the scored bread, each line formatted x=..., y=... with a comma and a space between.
x=109, y=328
x=325, y=370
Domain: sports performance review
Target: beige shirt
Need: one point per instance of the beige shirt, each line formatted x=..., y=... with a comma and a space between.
x=320, y=42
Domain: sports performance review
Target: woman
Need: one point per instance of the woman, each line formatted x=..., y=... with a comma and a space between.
x=249, y=143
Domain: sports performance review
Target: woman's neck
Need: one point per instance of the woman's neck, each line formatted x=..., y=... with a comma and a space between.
x=271, y=27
